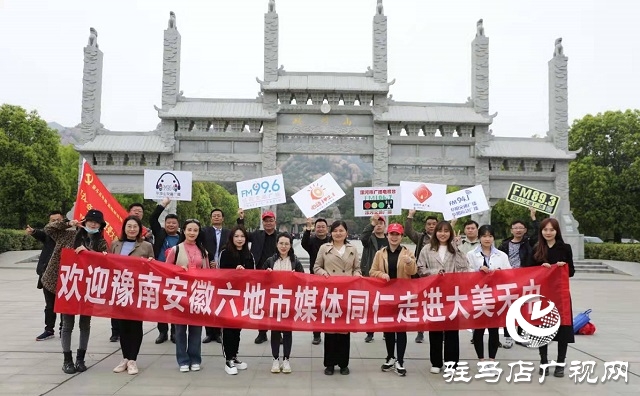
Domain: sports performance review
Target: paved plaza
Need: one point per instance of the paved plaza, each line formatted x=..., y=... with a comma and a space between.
x=28, y=367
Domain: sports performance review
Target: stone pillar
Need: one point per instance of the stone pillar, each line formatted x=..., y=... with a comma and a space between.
x=91, y=88
x=171, y=65
x=558, y=98
x=480, y=71
x=269, y=147
x=271, y=43
x=380, y=155
x=380, y=45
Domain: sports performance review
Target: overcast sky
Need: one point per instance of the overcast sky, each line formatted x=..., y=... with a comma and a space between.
x=41, y=56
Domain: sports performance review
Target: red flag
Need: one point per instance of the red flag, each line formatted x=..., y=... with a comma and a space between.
x=92, y=194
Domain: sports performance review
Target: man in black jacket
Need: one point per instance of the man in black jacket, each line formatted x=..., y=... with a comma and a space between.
x=263, y=246
x=519, y=248
x=48, y=245
x=164, y=238
x=312, y=243
x=216, y=238
x=373, y=238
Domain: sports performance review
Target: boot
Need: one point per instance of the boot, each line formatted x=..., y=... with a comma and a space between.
x=543, y=360
x=80, y=366
x=67, y=365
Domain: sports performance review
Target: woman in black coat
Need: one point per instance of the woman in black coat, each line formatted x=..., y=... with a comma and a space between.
x=552, y=250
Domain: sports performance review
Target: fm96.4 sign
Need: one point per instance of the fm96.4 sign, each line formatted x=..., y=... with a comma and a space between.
x=257, y=193
x=376, y=200
x=533, y=198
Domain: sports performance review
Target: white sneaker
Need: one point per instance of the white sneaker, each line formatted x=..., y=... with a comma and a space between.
x=275, y=367
x=132, y=367
x=435, y=370
x=122, y=367
x=184, y=368
x=400, y=370
x=508, y=343
x=286, y=366
x=240, y=365
x=388, y=364
x=230, y=368
x=195, y=367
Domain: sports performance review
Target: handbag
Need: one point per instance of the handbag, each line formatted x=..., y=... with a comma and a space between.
x=580, y=320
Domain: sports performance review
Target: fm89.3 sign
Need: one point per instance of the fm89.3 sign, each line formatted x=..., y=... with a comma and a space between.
x=531, y=197
x=368, y=201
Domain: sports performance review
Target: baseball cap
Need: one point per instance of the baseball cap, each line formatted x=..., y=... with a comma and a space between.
x=268, y=213
x=395, y=227
x=382, y=219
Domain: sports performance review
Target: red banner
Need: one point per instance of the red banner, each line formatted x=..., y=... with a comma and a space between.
x=125, y=287
x=92, y=194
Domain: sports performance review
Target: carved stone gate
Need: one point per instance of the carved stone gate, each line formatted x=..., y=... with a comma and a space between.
x=332, y=113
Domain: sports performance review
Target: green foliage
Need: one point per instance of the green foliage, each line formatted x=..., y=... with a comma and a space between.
x=604, y=179
x=69, y=169
x=198, y=208
x=17, y=240
x=613, y=251
x=29, y=167
x=127, y=199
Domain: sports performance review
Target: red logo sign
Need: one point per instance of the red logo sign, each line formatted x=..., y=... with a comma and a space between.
x=422, y=193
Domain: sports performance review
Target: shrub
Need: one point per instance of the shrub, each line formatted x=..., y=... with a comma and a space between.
x=613, y=251
x=17, y=240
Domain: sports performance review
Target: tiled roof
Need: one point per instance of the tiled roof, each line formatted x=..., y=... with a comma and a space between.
x=523, y=148
x=217, y=109
x=439, y=113
x=326, y=82
x=126, y=142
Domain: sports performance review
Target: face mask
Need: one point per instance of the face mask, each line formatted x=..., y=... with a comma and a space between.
x=91, y=230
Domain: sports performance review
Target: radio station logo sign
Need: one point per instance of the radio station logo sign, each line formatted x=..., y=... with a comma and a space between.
x=531, y=197
x=369, y=201
x=175, y=185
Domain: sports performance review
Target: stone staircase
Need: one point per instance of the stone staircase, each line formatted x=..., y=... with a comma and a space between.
x=592, y=267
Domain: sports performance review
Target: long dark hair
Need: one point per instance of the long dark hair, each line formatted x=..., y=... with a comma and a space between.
x=123, y=234
x=235, y=253
x=435, y=243
x=199, y=239
x=541, y=249
x=90, y=241
x=290, y=253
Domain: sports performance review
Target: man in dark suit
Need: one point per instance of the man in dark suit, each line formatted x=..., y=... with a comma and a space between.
x=263, y=246
x=216, y=238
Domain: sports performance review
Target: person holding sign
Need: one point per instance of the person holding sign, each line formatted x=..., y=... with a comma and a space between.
x=312, y=243
x=438, y=258
x=131, y=244
x=486, y=258
x=373, y=239
x=394, y=262
x=285, y=260
x=552, y=250
x=235, y=256
x=420, y=239
x=337, y=258
x=263, y=246
x=190, y=253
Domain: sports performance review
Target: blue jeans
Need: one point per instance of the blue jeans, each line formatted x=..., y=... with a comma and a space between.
x=188, y=346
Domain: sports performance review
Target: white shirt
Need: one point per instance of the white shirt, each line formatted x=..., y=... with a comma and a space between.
x=497, y=259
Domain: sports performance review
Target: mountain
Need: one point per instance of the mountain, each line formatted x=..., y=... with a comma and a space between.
x=67, y=135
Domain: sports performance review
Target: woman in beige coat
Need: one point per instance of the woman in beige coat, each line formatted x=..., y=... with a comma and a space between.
x=337, y=258
x=394, y=262
x=131, y=244
x=438, y=258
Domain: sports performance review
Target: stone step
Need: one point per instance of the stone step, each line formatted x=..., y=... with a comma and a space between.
x=604, y=270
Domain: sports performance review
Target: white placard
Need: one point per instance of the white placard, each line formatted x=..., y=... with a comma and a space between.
x=384, y=201
x=175, y=185
x=258, y=193
x=426, y=197
x=318, y=195
x=465, y=202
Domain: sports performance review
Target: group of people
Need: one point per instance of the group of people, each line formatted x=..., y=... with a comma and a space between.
x=438, y=250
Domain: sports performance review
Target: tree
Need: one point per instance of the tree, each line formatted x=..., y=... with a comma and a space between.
x=604, y=178
x=222, y=199
x=29, y=167
x=198, y=208
x=69, y=169
x=504, y=213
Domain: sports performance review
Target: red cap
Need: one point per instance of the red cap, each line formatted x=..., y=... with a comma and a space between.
x=395, y=227
x=268, y=213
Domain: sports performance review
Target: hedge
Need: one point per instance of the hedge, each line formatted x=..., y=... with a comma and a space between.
x=17, y=240
x=613, y=251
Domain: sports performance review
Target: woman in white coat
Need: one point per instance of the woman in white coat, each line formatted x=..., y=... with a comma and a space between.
x=487, y=258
